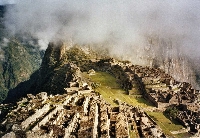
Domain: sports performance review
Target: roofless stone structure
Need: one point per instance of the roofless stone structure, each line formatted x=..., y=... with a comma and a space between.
x=71, y=116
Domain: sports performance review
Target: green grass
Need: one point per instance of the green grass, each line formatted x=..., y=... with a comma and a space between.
x=111, y=90
x=183, y=135
x=165, y=124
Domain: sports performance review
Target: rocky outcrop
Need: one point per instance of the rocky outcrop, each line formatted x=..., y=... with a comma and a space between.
x=58, y=68
x=53, y=57
x=168, y=55
x=55, y=71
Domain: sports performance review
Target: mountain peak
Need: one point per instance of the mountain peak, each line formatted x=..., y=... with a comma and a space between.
x=54, y=54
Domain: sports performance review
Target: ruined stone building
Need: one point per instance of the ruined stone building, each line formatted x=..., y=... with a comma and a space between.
x=160, y=89
x=71, y=116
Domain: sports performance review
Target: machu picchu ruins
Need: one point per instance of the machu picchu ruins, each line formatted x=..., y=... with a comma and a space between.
x=99, y=69
x=77, y=115
x=67, y=102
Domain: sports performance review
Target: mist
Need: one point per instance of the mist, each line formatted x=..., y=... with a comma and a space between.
x=4, y=2
x=135, y=30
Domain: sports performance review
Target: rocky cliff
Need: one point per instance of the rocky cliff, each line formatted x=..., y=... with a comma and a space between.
x=168, y=55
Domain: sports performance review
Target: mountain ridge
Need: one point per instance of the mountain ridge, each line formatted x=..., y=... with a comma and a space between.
x=60, y=76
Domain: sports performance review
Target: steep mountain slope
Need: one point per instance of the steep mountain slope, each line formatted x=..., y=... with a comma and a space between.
x=58, y=67
x=2, y=28
x=18, y=63
x=18, y=58
x=168, y=55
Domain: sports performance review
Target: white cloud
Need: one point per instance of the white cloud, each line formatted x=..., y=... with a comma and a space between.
x=124, y=24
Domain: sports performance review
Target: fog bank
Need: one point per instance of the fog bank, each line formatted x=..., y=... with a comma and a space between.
x=135, y=30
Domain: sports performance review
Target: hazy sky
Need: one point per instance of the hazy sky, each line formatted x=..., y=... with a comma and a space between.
x=2, y=2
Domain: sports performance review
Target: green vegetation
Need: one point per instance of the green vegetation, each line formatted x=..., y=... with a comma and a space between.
x=76, y=54
x=165, y=124
x=79, y=57
x=171, y=112
x=111, y=90
x=19, y=63
x=183, y=135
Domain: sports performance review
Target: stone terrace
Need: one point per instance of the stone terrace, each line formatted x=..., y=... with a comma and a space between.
x=157, y=87
x=81, y=116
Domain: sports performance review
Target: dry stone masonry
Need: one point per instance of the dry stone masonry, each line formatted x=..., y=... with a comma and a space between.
x=82, y=116
x=159, y=88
